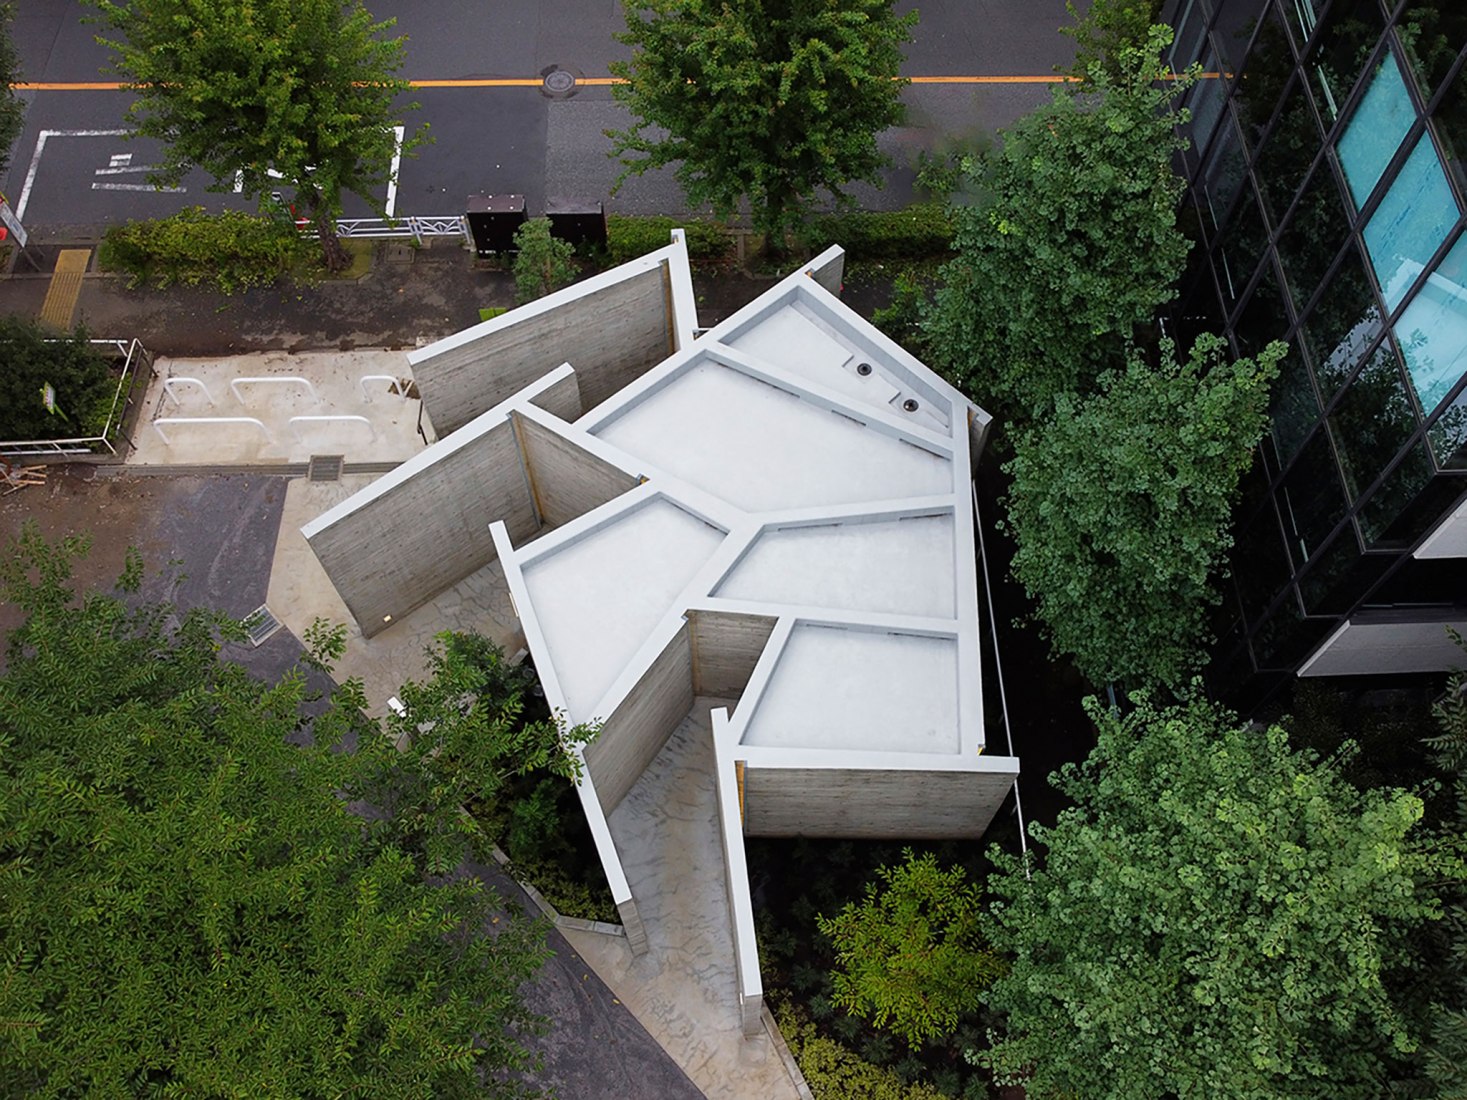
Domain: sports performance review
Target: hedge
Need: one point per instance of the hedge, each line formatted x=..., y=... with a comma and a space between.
x=919, y=231
x=31, y=357
x=232, y=250
x=629, y=236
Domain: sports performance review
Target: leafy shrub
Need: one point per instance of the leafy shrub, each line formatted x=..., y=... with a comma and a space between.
x=232, y=250
x=902, y=318
x=919, y=231
x=629, y=236
x=31, y=356
x=834, y=1072
x=543, y=263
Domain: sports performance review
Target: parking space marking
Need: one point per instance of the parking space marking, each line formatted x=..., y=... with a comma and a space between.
x=41, y=139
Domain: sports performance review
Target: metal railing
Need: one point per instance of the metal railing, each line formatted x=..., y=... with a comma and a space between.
x=416, y=228
x=131, y=351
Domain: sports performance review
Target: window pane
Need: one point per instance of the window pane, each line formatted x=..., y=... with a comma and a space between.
x=1287, y=637
x=1263, y=319
x=1313, y=236
x=1206, y=104
x=1295, y=410
x=1284, y=159
x=1311, y=499
x=1341, y=326
x=1373, y=421
x=1449, y=435
x=1375, y=130
x=1350, y=33
x=1191, y=25
x=1234, y=27
x=1451, y=124
x=1410, y=223
x=1261, y=85
x=1340, y=575
x=1241, y=247
x=1433, y=31
x=1388, y=517
x=1433, y=330
x=1260, y=563
x=1224, y=175
x=1303, y=17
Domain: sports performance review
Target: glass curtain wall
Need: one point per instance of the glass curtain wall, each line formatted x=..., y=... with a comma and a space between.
x=1326, y=204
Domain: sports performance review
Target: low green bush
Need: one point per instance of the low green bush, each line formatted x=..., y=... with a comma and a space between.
x=835, y=1072
x=629, y=236
x=232, y=250
x=919, y=231
x=32, y=356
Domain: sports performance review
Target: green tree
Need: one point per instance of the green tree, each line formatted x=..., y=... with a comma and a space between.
x=769, y=100
x=187, y=904
x=243, y=88
x=1211, y=918
x=1120, y=504
x=31, y=357
x=1072, y=243
x=543, y=263
x=910, y=954
x=1107, y=28
x=12, y=110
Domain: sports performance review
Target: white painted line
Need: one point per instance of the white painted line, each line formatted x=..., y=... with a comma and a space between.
x=239, y=183
x=399, y=132
x=138, y=187
x=41, y=139
x=120, y=170
x=120, y=159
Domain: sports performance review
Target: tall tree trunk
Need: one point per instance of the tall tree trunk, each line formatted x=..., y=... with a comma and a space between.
x=332, y=254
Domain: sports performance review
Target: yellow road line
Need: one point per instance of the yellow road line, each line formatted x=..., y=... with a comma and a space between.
x=584, y=81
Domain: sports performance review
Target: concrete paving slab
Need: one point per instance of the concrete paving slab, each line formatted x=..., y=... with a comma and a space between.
x=683, y=989
x=300, y=593
x=348, y=404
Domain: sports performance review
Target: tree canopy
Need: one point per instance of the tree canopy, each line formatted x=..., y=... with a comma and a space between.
x=773, y=101
x=1120, y=505
x=305, y=89
x=187, y=903
x=12, y=110
x=1072, y=242
x=1211, y=918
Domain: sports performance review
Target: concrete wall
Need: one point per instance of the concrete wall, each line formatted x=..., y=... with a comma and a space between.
x=736, y=882
x=566, y=480
x=638, y=729
x=1366, y=649
x=839, y=802
x=726, y=646
x=610, y=336
x=399, y=549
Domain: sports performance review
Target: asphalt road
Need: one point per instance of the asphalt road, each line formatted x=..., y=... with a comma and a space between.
x=495, y=138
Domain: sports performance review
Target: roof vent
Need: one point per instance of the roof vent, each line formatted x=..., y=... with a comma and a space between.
x=910, y=404
x=863, y=369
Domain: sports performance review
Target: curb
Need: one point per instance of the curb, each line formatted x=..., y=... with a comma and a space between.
x=574, y=924
x=782, y=1049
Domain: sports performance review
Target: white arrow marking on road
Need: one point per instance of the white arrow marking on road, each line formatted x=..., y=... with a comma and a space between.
x=41, y=139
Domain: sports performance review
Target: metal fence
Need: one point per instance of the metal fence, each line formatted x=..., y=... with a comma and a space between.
x=412, y=227
x=133, y=355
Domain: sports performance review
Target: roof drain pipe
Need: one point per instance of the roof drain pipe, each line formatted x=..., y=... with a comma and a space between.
x=998, y=664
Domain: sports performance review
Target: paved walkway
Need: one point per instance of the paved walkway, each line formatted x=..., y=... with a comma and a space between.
x=683, y=989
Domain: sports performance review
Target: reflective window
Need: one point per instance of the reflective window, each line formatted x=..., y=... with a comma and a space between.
x=1339, y=574
x=1224, y=175
x=1449, y=435
x=1373, y=421
x=1375, y=130
x=1451, y=124
x=1303, y=18
x=1294, y=410
x=1410, y=223
x=1236, y=21
x=1260, y=564
x=1393, y=514
x=1341, y=326
x=1311, y=499
x=1286, y=638
x=1191, y=25
x=1312, y=238
x=1433, y=330
x=1205, y=101
x=1241, y=247
x=1433, y=32
x=1261, y=85
x=1285, y=157
x=1263, y=319
x=1351, y=30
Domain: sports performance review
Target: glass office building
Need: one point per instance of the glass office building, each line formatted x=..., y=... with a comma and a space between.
x=1326, y=185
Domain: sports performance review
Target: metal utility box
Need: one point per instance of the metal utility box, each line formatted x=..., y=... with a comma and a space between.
x=577, y=222
x=492, y=221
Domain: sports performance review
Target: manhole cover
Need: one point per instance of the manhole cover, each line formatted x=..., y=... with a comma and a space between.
x=558, y=81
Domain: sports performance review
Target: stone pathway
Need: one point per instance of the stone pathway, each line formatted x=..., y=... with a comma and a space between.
x=683, y=989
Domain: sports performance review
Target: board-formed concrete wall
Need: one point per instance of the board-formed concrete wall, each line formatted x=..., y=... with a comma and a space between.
x=566, y=480
x=641, y=725
x=611, y=336
x=427, y=532
x=726, y=646
x=840, y=802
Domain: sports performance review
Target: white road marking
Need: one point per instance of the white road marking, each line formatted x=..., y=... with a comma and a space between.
x=138, y=187
x=239, y=182
x=122, y=171
x=41, y=139
x=119, y=159
x=399, y=132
